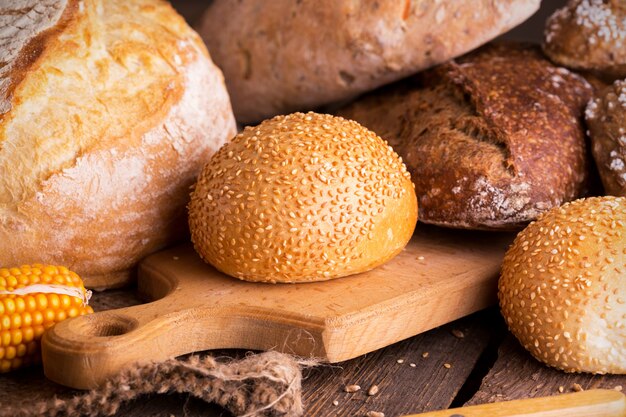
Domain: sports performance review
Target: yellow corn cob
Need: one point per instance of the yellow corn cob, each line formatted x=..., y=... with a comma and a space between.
x=33, y=298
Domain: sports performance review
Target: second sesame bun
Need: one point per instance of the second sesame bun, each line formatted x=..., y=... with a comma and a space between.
x=563, y=286
x=304, y=197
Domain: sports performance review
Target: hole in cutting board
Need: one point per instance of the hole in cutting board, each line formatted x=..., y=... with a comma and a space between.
x=106, y=325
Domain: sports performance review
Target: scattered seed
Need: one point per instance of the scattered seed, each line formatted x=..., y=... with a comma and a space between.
x=618, y=388
x=375, y=414
x=420, y=258
x=576, y=387
x=352, y=388
x=335, y=403
x=412, y=365
x=175, y=258
x=425, y=355
x=561, y=389
x=400, y=361
x=447, y=365
x=458, y=334
x=373, y=390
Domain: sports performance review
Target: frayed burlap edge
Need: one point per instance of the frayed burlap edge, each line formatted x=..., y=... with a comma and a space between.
x=267, y=384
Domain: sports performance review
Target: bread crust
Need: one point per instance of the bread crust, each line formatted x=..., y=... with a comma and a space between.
x=284, y=55
x=302, y=198
x=106, y=129
x=589, y=35
x=606, y=119
x=488, y=146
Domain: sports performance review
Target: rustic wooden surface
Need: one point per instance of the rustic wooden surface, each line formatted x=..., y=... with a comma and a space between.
x=436, y=279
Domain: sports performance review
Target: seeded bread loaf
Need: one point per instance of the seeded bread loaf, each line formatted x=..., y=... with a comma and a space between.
x=491, y=140
x=589, y=35
x=108, y=110
x=606, y=120
x=280, y=56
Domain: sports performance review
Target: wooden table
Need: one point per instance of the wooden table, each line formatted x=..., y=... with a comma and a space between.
x=486, y=365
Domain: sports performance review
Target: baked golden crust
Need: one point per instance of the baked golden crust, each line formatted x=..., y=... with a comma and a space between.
x=282, y=56
x=300, y=198
x=488, y=146
x=589, y=35
x=562, y=289
x=104, y=130
x=606, y=119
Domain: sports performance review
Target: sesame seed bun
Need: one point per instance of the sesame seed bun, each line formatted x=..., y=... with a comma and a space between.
x=303, y=197
x=563, y=286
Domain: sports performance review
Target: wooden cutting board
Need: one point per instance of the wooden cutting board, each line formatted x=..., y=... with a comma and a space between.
x=441, y=276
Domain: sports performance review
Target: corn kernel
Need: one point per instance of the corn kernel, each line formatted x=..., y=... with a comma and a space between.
x=34, y=298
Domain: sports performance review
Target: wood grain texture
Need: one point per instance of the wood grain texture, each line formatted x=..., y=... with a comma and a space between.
x=516, y=375
x=438, y=278
x=594, y=403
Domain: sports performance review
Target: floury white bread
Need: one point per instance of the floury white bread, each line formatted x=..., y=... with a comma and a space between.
x=283, y=55
x=108, y=110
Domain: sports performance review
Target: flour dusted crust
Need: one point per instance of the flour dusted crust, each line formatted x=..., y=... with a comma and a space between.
x=488, y=146
x=589, y=35
x=606, y=119
x=281, y=56
x=109, y=109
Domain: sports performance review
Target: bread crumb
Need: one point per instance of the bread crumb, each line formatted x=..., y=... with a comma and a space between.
x=400, y=361
x=352, y=388
x=447, y=365
x=335, y=403
x=618, y=388
x=375, y=414
x=373, y=390
x=577, y=387
x=458, y=334
x=425, y=355
x=561, y=388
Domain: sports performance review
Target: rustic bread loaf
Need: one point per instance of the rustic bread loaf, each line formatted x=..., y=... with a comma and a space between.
x=281, y=56
x=491, y=140
x=589, y=35
x=606, y=120
x=108, y=110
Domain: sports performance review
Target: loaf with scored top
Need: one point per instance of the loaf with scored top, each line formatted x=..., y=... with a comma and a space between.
x=108, y=110
x=491, y=140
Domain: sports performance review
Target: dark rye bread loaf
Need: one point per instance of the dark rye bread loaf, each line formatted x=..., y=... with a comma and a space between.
x=606, y=120
x=491, y=140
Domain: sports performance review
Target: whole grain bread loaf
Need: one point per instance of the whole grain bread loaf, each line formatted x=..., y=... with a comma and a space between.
x=606, y=120
x=491, y=140
x=281, y=56
x=589, y=35
x=108, y=111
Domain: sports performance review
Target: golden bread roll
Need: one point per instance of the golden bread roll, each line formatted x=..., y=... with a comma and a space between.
x=282, y=56
x=108, y=110
x=303, y=197
x=563, y=286
x=606, y=120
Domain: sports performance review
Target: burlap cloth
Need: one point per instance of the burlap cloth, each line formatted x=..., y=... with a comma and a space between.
x=267, y=384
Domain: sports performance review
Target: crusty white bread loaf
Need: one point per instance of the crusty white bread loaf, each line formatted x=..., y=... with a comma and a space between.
x=281, y=56
x=108, y=110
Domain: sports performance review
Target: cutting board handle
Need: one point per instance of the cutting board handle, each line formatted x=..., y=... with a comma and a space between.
x=84, y=351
